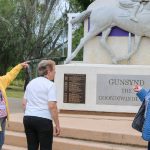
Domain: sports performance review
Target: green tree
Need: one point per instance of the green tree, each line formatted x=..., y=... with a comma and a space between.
x=40, y=27
x=79, y=5
x=7, y=55
x=29, y=29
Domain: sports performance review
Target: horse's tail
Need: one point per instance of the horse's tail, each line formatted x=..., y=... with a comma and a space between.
x=82, y=16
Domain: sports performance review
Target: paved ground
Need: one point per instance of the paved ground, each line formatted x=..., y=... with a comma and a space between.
x=15, y=105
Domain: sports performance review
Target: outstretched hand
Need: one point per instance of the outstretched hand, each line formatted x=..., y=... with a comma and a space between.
x=25, y=64
x=137, y=88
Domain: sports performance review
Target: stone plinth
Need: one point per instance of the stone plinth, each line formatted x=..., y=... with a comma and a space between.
x=108, y=88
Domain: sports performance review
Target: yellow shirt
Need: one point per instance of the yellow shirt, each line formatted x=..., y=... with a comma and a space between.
x=5, y=82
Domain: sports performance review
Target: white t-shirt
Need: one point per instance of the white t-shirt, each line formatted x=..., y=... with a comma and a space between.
x=38, y=93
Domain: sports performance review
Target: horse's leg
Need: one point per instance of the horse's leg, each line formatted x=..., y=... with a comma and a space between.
x=103, y=41
x=93, y=32
x=137, y=41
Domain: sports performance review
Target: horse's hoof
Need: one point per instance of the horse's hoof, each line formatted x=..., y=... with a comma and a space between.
x=67, y=61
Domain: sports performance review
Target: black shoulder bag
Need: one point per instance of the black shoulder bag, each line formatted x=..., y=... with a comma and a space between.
x=138, y=121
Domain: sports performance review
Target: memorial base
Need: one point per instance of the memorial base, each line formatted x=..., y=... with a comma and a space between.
x=96, y=113
x=99, y=87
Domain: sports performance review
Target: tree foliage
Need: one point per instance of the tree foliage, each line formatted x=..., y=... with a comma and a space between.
x=7, y=54
x=41, y=29
x=29, y=29
x=77, y=35
x=79, y=5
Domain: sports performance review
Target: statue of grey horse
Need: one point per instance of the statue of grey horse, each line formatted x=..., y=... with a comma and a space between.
x=103, y=18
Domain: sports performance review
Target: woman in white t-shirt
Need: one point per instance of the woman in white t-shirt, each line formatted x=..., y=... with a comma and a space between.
x=40, y=107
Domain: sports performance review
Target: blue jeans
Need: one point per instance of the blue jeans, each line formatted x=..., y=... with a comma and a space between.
x=2, y=133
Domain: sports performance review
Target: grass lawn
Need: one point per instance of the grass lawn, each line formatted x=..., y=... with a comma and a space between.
x=14, y=91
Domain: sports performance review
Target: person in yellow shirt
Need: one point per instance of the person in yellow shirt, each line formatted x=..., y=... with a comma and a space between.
x=4, y=109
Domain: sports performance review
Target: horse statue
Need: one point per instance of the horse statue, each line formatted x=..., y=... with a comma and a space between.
x=103, y=18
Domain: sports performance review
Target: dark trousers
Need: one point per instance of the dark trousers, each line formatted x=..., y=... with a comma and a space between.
x=39, y=132
x=148, y=145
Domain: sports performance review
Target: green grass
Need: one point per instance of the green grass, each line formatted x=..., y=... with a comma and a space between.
x=15, y=91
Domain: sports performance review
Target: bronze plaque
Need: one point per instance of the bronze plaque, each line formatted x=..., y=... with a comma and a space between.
x=74, y=88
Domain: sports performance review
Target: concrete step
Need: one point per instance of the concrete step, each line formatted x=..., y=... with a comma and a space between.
x=84, y=134
x=18, y=139
x=117, y=138
x=10, y=147
x=73, y=144
x=15, y=139
x=15, y=126
x=116, y=130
